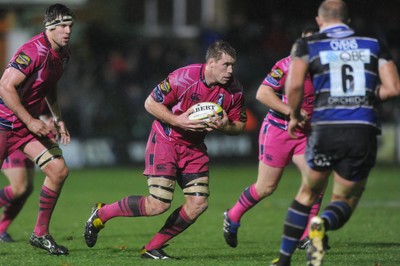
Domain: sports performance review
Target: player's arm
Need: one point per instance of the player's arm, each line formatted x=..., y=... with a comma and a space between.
x=232, y=127
x=390, y=84
x=266, y=95
x=11, y=79
x=295, y=93
x=62, y=133
x=52, y=103
x=164, y=114
x=226, y=125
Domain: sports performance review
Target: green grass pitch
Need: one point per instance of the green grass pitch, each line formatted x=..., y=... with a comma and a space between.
x=371, y=237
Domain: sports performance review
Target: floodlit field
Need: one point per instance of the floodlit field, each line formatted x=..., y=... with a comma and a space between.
x=372, y=236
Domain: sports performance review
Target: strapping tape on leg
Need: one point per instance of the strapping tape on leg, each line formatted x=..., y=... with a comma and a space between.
x=196, y=188
x=47, y=156
x=161, y=189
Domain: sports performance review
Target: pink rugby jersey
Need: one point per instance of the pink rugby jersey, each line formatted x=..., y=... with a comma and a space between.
x=184, y=88
x=43, y=67
x=276, y=80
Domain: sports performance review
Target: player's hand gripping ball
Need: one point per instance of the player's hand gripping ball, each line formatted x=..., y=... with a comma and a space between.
x=203, y=109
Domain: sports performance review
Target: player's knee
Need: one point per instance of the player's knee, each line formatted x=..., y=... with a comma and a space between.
x=197, y=205
x=22, y=191
x=156, y=206
x=265, y=191
x=57, y=171
x=61, y=172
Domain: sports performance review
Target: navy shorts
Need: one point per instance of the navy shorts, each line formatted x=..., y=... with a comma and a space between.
x=350, y=151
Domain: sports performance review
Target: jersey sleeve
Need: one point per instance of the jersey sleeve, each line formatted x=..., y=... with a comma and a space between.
x=26, y=59
x=300, y=50
x=276, y=77
x=165, y=92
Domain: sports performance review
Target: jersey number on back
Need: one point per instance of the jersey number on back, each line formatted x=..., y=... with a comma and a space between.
x=347, y=71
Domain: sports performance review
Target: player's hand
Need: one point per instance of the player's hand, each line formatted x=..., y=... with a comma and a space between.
x=292, y=127
x=62, y=134
x=38, y=127
x=217, y=122
x=303, y=118
x=186, y=124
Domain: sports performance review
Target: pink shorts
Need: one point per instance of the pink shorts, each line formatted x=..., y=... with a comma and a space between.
x=171, y=159
x=12, y=140
x=17, y=160
x=276, y=147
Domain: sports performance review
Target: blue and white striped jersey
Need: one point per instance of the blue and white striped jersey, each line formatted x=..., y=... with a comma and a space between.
x=344, y=70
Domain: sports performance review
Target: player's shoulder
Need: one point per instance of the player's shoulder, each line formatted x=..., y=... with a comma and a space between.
x=235, y=86
x=283, y=63
x=189, y=69
x=38, y=46
x=185, y=76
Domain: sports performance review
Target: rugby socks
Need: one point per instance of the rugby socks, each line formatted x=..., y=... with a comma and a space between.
x=336, y=214
x=247, y=200
x=176, y=223
x=131, y=206
x=6, y=196
x=314, y=212
x=47, y=201
x=295, y=223
x=9, y=213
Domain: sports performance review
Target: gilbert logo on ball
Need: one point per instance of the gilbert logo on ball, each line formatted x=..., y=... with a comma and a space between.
x=200, y=111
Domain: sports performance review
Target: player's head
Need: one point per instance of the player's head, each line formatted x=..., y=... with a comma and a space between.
x=333, y=11
x=216, y=49
x=307, y=31
x=56, y=15
x=220, y=59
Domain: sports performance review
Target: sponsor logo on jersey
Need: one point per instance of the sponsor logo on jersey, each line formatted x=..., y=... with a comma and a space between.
x=272, y=81
x=221, y=98
x=23, y=60
x=277, y=73
x=195, y=97
x=161, y=167
x=165, y=87
x=275, y=76
x=157, y=95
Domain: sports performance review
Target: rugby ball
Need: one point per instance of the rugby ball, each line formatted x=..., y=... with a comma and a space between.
x=200, y=111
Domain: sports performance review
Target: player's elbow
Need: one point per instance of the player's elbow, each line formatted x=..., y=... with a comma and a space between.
x=148, y=104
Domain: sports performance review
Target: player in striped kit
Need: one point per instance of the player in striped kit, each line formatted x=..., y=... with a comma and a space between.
x=29, y=80
x=345, y=69
x=176, y=152
x=20, y=172
x=276, y=148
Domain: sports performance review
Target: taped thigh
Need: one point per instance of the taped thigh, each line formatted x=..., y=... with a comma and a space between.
x=47, y=156
x=196, y=187
x=161, y=188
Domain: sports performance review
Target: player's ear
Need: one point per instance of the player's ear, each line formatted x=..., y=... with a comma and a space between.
x=319, y=21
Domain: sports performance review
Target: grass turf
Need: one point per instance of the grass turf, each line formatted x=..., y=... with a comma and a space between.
x=371, y=237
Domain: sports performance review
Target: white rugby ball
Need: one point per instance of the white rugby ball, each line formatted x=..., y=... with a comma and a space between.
x=200, y=111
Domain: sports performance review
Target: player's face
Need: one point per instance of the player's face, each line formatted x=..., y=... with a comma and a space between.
x=222, y=69
x=59, y=37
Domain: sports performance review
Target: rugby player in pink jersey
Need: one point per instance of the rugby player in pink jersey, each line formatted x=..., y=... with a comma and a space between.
x=276, y=147
x=19, y=170
x=31, y=78
x=176, y=152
